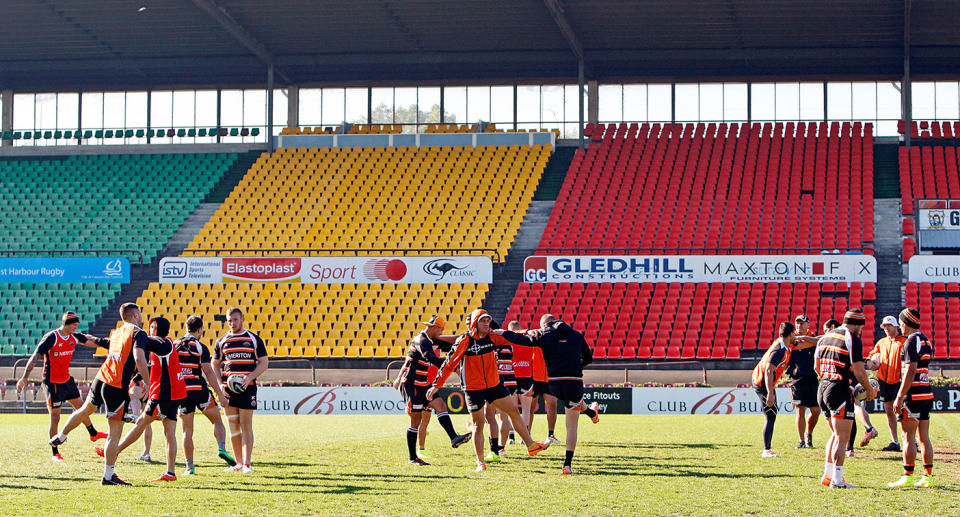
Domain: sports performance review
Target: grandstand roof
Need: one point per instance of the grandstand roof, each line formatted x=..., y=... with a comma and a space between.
x=115, y=44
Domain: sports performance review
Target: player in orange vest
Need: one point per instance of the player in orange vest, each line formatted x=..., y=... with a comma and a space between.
x=885, y=360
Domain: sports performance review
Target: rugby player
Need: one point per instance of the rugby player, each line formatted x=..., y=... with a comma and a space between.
x=128, y=346
x=240, y=352
x=475, y=352
x=838, y=361
x=56, y=347
x=565, y=353
x=765, y=377
x=885, y=360
x=805, y=382
x=195, y=363
x=523, y=374
x=413, y=385
x=914, y=400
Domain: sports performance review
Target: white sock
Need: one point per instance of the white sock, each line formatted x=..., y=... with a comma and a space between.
x=189, y=464
x=107, y=471
x=838, y=473
x=61, y=437
x=828, y=469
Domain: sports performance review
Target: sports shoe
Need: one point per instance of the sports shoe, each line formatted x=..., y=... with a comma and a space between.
x=460, y=439
x=98, y=451
x=767, y=453
x=190, y=472
x=809, y=444
x=115, y=480
x=225, y=456
x=905, y=481
x=99, y=436
x=842, y=484
x=596, y=412
x=869, y=435
x=893, y=447
x=247, y=469
x=418, y=461
x=552, y=439
x=57, y=457
x=481, y=467
x=164, y=477
x=502, y=452
x=923, y=482
x=145, y=457
x=492, y=457
x=850, y=453
x=56, y=441
x=566, y=470
x=422, y=454
x=233, y=468
x=537, y=448
x=802, y=445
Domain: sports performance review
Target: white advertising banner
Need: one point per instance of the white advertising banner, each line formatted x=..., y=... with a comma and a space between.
x=704, y=401
x=333, y=400
x=939, y=219
x=701, y=268
x=934, y=268
x=327, y=270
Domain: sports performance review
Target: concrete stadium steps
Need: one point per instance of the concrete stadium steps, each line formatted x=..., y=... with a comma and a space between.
x=554, y=174
x=891, y=271
x=886, y=172
x=233, y=176
x=508, y=277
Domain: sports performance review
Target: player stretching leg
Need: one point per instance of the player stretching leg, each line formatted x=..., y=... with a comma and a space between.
x=56, y=347
x=914, y=400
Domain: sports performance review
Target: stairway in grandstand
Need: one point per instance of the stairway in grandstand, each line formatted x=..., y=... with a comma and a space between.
x=887, y=240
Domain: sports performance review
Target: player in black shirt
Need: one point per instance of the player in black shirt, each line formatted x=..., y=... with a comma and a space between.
x=805, y=383
x=914, y=400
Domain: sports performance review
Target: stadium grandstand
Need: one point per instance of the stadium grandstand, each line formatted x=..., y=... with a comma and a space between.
x=345, y=170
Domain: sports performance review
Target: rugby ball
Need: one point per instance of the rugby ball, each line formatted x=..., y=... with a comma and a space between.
x=860, y=393
x=235, y=383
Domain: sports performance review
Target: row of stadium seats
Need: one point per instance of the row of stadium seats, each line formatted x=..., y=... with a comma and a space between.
x=939, y=305
x=928, y=172
x=27, y=311
x=380, y=198
x=780, y=186
x=936, y=129
x=686, y=320
x=105, y=202
x=99, y=134
x=320, y=320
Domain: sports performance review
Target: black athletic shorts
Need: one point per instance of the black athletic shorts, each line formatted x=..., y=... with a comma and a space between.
x=835, y=400
x=524, y=384
x=915, y=410
x=163, y=409
x=509, y=382
x=537, y=388
x=804, y=391
x=246, y=399
x=888, y=392
x=568, y=392
x=58, y=393
x=761, y=392
x=477, y=398
x=197, y=400
x=114, y=400
x=415, y=397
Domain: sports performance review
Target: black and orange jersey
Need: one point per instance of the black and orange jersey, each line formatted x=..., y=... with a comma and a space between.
x=57, y=351
x=238, y=353
x=538, y=366
x=836, y=353
x=888, y=351
x=420, y=356
x=166, y=379
x=118, y=367
x=778, y=355
x=505, y=359
x=477, y=355
x=918, y=349
x=192, y=355
x=522, y=361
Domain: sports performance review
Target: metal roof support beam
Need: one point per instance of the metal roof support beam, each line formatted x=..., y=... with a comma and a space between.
x=559, y=16
x=580, y=81
x=239, y=32
x=906, y=88
x=270, y=108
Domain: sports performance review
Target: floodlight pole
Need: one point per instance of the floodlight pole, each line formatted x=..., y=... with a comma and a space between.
x=270, y=107
x=906, y=89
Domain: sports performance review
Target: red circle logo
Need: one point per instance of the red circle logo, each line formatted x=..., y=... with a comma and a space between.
x=385, y=270
x=396, y=270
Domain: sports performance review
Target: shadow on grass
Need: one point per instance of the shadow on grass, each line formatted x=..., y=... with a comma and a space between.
x=621, y=445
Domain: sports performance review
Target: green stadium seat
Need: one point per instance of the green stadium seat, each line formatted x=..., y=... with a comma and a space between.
x=37, y=135
x=99, y=134
x=88, y=134
x=57, y=135
x=8, y=135
x=108, y=133
x=202, y=131
x=68, y=134
x=140, y=133
x=27, y=135
x=119, y=133
x=255, y=131
x=150, y=133
x=192, y=132
x=47, y=135
x=128, y=133
x=181, y=132
x=17, y=135
x=234, y=131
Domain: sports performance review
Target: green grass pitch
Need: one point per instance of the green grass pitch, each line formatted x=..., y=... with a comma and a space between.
x=356, y=465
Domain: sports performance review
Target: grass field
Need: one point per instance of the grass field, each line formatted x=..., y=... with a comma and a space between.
x=356, y=465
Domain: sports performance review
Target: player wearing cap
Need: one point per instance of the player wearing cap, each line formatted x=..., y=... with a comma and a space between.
x=413, y=386
x=885, y=360
x=914, y=400
x=240, y=352
x=765, y=377
x=805, y=382
x=128, y=349
x=474, y=351
x=56, y=347
x=838, y=361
